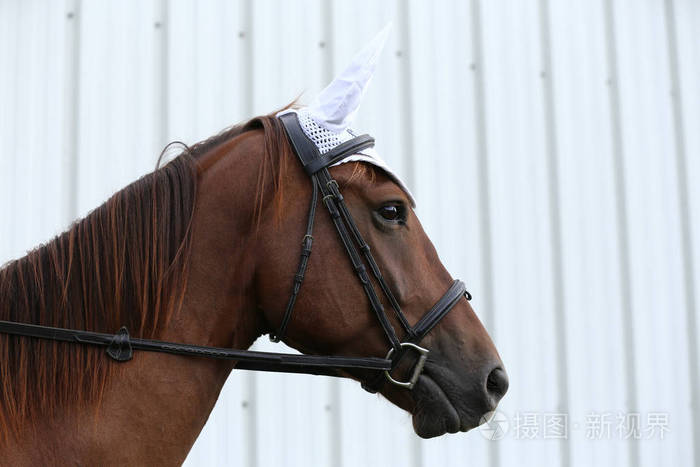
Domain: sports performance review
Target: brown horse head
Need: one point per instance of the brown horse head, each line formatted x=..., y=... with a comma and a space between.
x=203, y=251
x=464, y=376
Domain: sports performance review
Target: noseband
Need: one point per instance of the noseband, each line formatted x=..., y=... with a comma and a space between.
x=120, y=346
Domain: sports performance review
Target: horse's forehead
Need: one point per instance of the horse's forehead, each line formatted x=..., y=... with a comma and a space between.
x=366, y=178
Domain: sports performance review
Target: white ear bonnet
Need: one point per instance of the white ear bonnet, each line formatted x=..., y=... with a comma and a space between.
x=326, y=121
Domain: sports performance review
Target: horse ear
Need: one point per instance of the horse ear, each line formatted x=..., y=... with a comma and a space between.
x=336, y=105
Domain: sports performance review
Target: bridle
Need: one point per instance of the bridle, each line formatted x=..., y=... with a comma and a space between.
x=316, y=167
x=120, y=346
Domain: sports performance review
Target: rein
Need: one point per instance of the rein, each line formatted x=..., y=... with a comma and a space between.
x=120, y=346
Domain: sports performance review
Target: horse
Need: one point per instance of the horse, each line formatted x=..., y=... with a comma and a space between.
x=201, y=251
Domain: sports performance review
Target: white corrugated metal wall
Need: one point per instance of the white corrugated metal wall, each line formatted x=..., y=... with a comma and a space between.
x=553, y=148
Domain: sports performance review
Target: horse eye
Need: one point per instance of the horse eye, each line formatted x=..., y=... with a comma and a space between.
x=391, y=212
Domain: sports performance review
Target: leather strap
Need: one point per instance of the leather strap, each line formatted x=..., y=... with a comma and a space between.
x=339, y=152
x=306, y=245
x=247, y=359
x=304, y=148
x=456, y=291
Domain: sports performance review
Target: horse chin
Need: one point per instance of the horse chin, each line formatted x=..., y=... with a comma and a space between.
x=435, y=413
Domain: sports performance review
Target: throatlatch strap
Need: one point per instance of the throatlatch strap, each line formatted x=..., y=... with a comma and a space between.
x=306, y=245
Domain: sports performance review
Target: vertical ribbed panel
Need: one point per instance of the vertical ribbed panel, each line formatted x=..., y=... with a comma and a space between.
x=552, y=148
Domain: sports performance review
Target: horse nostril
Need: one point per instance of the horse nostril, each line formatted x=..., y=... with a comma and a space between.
x=497, y=383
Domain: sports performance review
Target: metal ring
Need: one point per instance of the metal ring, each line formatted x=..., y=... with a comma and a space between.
x=417, y=369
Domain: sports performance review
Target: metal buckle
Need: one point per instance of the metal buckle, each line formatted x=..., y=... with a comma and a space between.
x=417, y=370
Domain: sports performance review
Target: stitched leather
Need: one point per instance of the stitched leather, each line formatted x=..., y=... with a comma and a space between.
x=251, y=360
x=303, y=147
x=306, y=243
x=456, y=291
x=338, y=153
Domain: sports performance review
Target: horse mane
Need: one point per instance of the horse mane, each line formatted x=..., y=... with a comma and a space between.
x=124, y=264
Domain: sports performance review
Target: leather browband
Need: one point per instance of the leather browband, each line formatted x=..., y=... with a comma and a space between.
x=304, y=148
x=308, y=153
x=339, y=152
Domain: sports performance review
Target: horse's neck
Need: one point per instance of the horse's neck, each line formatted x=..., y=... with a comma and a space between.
x=153, y=412
x=151, y=416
